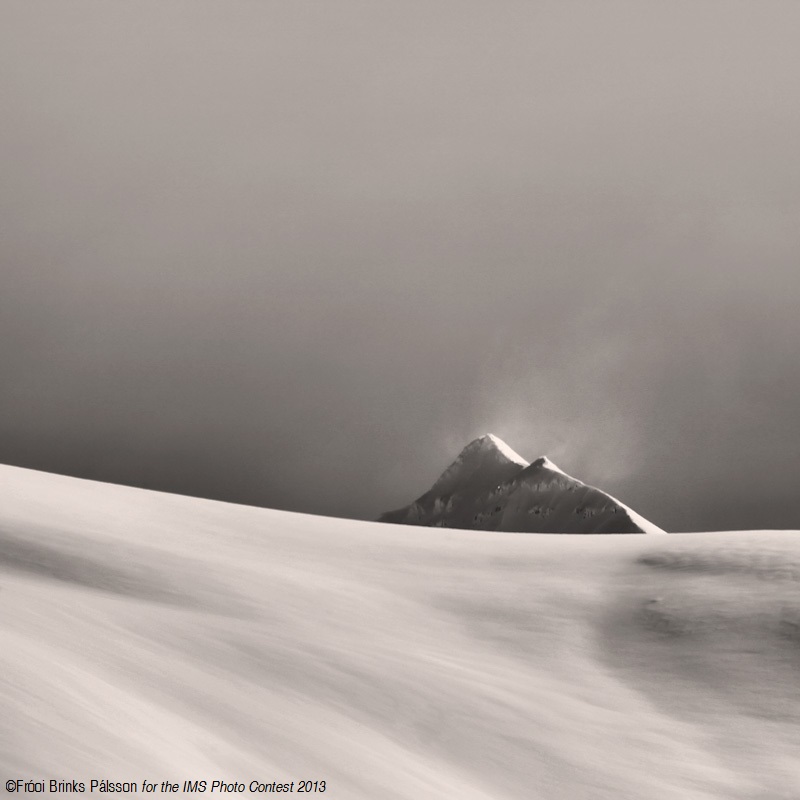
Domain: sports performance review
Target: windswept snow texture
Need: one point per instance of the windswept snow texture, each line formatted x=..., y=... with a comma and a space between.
x=490, y=487
x=146, y=635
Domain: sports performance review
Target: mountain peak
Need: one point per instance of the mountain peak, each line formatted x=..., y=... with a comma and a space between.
x=490, y=442
x=483, y=463
x=543, y=462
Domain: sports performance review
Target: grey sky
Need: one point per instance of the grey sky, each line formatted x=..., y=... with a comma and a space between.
x=297, y=253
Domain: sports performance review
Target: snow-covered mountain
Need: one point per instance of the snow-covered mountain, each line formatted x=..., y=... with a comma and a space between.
x=491, y=487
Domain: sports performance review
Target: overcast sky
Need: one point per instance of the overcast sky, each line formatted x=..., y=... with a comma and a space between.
x=296, y=254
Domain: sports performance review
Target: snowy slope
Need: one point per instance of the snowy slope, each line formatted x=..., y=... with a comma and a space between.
x=146, y=635
x=490, y=487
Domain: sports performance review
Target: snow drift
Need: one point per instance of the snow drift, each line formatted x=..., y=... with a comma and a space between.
x=146, y=635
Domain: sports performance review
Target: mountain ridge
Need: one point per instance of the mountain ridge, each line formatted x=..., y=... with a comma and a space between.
x=489, y=486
